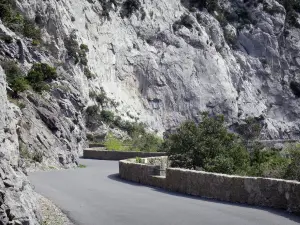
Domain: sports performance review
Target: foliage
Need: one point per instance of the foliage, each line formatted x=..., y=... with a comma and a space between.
x=39, y=75
x=88, y=73
x=112, y=143
x=37, y=157
x=250, y=129
x=129, y=7
x=146, y=143
x=16, y=22
x=267, y=163
x=107, y=116
x=30, y=30
x=100, y=98
x=76, y=52
x=81, y=166
x=139, y=160
x=15, y=78
x=208, y=146
x=293, y=170
x=92, y=116
x=92, y=110
x=25, y=154
x=72, y=47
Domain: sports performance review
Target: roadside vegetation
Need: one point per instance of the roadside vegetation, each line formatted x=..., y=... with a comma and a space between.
x=209, y=146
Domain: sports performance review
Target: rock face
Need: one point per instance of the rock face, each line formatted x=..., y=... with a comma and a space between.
x=17, y=199
x=165, y=61
x=160, y=61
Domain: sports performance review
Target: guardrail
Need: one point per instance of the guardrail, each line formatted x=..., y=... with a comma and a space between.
x=258, y=191
x=92, y=153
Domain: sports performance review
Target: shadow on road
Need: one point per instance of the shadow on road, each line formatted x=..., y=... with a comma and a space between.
x=290, y=216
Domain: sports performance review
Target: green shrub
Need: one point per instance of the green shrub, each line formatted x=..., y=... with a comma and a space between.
x=207, y=146
x=88, y=73
x=250, y=129
x=93, y=117
x=129, y=7
x=268, y=163
x=72, y=47
x=112, y=143
x=146, y=143
x=39, y=75
x=37, y=157
x=90, y=137
x=293, y=170
x=76, y=52
x=107, y=116
x=100, y=98
x=35, y=43
x=15, y=78
x=92, y=110
x=84, y=47
x=139, y=160
x=31, y=31
x=10, y=17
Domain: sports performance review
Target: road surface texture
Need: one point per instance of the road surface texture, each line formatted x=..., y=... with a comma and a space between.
x=95, y=195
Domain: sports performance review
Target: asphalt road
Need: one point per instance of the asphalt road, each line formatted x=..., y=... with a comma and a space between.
x=95, y=195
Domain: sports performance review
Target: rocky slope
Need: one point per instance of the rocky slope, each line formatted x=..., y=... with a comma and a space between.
x=17, y=200
x=159, y=61
x=164, y=61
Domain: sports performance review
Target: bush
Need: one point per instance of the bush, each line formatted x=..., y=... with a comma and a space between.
x=268, y=163
x=112, y=143
x=207, y=146
x=15, y=78
x=146, y=143
x=250, y=129
x=84, y=47
x=16, y=22
x=37, y=157
x=72, y=47
x=293, y=169
x=93, y=118
x=31, y=31
x=10, y=17
x=88, y=73
x=76, y=52
x=107, y=116
x=129, y=7
x=39, y=75
x=92, y=110
x=139, y=160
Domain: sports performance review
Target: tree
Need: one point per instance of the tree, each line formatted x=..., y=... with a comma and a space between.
x=207, y=146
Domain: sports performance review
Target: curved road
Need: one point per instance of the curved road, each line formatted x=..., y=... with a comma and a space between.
x=95, y=195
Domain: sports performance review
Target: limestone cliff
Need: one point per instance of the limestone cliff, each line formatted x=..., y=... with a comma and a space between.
x=159, y=61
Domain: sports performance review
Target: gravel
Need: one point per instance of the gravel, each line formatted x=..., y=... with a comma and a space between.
x=51, y=214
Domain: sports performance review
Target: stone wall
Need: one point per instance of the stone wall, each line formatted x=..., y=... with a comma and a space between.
x=275, y=193
x=117, y=155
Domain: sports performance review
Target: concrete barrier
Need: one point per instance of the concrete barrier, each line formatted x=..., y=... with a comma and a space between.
x=117, y=155
x=274, y=193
